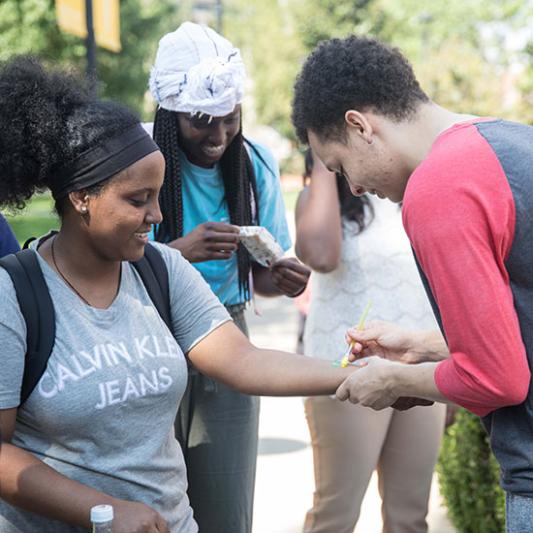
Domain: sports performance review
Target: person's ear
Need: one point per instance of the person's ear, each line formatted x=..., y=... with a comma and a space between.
x=80, y=202
x=359, y=124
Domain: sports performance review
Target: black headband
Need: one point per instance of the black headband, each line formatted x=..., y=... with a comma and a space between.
x=102, y=162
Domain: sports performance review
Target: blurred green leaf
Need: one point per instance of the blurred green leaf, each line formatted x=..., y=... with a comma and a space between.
x=29, y=26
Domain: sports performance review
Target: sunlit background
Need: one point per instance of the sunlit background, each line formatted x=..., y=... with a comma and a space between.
x=473, y=56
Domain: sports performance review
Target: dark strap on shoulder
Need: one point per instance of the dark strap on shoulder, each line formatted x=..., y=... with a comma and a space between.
x=28, y=242
x=38, y=311
x=154, y=274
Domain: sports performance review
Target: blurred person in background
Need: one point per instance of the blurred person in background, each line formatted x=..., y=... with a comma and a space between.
x=359, y=252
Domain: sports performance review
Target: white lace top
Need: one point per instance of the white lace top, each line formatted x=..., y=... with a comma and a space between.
x=376, y=265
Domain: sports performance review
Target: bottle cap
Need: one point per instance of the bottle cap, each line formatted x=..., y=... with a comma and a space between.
x=101, y=513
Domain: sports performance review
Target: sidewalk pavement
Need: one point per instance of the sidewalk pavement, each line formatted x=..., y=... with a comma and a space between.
x=284, y=484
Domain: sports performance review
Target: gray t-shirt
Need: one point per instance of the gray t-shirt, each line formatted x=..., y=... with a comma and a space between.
x=103, y=411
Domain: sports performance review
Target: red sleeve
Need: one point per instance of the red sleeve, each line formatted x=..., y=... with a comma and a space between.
x=459, y=215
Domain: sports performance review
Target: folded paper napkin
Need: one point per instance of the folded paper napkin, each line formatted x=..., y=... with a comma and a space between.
x=261, y=245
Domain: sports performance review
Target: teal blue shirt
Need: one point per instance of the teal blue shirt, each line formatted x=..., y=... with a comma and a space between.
x=203, y=200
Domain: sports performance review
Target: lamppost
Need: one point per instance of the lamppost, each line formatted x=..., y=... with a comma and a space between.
x=425, y=18
x=91, y=47
x=96, y=22
x=218, y=8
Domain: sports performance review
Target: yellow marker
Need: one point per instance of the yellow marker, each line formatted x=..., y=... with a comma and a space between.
x=345, y=361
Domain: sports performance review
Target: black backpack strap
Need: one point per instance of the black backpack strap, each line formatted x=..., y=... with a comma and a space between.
x=28, y=242
x=154, y=274
x=38, y=311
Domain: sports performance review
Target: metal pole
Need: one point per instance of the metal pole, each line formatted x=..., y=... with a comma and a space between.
x=219, y=16
x=91, y=48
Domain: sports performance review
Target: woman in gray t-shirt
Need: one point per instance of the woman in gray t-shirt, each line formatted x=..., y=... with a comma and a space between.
x=97, y=428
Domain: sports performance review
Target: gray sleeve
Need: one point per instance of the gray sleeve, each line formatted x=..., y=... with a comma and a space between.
x=195, y=310
x=13, y=343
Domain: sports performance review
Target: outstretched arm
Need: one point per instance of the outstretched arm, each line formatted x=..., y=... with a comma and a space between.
x=227, y=355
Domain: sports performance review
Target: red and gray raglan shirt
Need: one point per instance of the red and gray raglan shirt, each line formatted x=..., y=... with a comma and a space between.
x=468, y=211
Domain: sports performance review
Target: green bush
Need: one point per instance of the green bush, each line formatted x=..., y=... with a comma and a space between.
x=469, y=478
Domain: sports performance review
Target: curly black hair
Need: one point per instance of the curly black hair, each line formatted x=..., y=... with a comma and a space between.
x=239, y=185
x=352, y=73
x=48, y=118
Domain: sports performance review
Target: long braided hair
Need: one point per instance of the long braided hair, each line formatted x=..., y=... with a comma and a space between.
x=240, y=188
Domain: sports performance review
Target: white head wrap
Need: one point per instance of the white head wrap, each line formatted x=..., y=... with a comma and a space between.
x=197, y=71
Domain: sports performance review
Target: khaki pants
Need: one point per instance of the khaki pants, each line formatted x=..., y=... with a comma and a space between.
x=350, y=442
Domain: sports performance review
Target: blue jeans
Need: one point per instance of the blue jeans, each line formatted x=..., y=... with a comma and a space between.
x=519, y=513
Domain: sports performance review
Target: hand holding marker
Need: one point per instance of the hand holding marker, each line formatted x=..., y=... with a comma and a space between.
x=344, y=362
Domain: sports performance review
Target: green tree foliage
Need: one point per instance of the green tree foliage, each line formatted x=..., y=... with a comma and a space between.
x=469, y=476
x=29, y=26
x=462, y=52
x=319, y=20
x=272, y=51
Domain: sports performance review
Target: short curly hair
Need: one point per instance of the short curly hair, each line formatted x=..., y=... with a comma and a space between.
x=48, y=118
x=352, y=73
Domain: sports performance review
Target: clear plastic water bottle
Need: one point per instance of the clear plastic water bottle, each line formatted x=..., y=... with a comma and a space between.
x=102, y=518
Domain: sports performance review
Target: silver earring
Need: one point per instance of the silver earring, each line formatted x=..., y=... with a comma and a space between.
x=83, y=209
